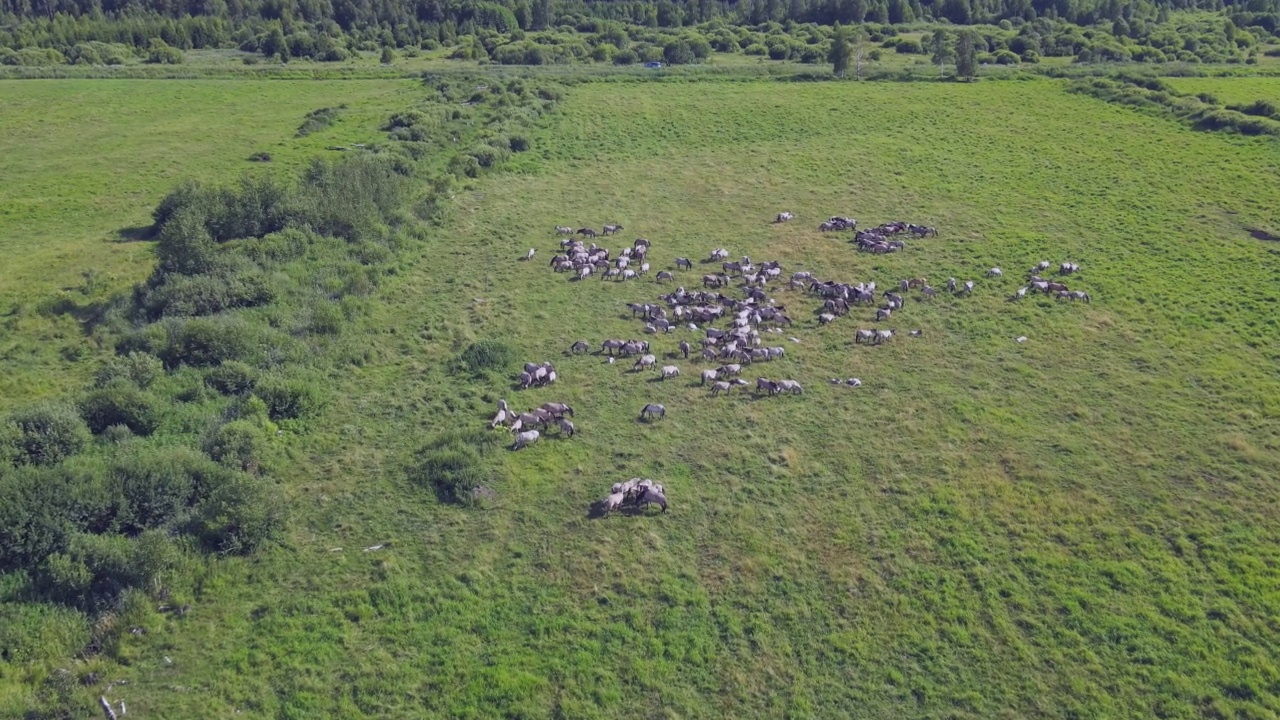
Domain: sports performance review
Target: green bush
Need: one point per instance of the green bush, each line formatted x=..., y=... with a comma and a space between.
x=486, y=355
x=140, y=368
x=1260, y=108
x=1005, y=57
x=37, y=511
x=237, y=444
x=232, y=378
x=185, y=245
x=208, y=293
x=909, y=47
x=317, y=120
x=678, y=52
x=240, y=516
x=756, y=49
x=488, y=156
x=289, y=398
x=121, y=404
x=157, y=484
x=204, y=342
x=31, y=57
x=46, y=434
x=160, y=53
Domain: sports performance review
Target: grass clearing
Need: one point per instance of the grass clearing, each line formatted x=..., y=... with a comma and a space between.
x=84, y=162
x=1081, y=525
x=1233, y=91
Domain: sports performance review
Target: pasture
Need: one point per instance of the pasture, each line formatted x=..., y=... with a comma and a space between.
x=1080, y=525
x=84, y=162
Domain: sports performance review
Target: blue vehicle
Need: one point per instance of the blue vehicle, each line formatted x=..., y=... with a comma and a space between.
x=653, y=65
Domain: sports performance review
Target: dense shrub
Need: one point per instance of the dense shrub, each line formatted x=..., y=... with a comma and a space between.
x=121, y=404
x=240, y=516
x=140, y=368
x=222, y=288
x=1260, y=108
x=185, y=245
x=317, y=120
x=232, y=378
x=678, y=52
x=237, y=444
x=909, y=47
x=162, y=54
x=486, y=355
x=203, y=342
x=289, y=398
x=158, y=483
x=1005, y=57
x=46, y=433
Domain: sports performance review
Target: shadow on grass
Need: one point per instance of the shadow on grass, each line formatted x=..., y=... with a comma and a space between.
x=597, y=511
x=89, y=315
x=133, y=234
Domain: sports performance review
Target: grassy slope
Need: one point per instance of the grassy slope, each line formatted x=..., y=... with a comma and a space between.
x=1081, y=525
x=83, y=160
x=1240, y=91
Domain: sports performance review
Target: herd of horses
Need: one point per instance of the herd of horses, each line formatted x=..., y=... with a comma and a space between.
x=733, y=326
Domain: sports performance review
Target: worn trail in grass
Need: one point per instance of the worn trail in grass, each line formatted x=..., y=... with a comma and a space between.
x=1081, y=525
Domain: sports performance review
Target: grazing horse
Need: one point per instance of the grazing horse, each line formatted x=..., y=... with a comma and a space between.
x=579, y=347
x=684, y=349
x=662, y=274
x=1080, y=295
x=562, y=230
x=994, y=272
x=525, y=439
x=918, y=282
x=861, y=335
x=883, y=314
x=685, y=263
x=587, y=232
x=566, y=427
x=928, y=291
x=653, y=410
x=784, y=217
x=652, y=496
x=610, y=229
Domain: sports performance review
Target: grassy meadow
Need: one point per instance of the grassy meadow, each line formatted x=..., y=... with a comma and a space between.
x=84, y=162
x=1081, y=525
x=1233, y=91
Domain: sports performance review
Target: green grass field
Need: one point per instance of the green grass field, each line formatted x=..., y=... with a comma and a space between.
x=1233, y=91
x=84, y=162
x=1082, y=525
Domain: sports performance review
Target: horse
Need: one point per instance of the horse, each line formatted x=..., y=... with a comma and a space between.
x=653, y=410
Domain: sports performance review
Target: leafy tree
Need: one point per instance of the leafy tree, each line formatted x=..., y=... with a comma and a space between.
x=387, y=56
x=940, y=46
x=678, y=52
x=840, y=50
x=966, y=63
x=274, y=44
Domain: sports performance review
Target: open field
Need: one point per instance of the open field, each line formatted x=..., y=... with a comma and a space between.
x=1234, y=91
x=84, y=162
x=1080, y=525
x=1083, y=525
